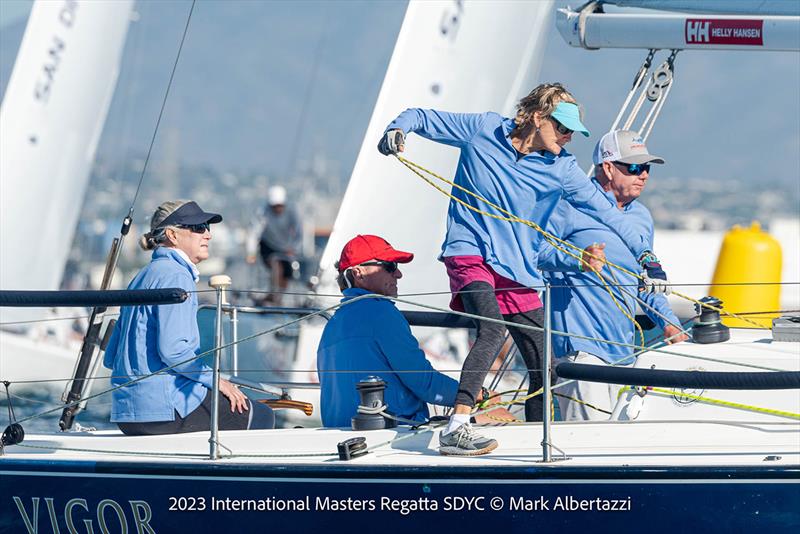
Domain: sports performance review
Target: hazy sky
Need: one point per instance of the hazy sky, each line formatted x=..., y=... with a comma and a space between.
x=243, y=96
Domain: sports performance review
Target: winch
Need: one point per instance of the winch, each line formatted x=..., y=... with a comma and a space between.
x=371, y=406
x=709, y=328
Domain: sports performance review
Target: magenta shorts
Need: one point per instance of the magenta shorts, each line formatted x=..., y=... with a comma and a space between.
x=463, y=270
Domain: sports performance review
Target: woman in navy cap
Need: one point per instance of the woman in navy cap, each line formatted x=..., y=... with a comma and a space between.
x=147, y=339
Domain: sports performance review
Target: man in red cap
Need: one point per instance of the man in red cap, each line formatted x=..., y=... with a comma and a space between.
x=371, y=337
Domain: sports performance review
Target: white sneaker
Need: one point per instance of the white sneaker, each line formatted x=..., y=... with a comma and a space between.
x=464, y=441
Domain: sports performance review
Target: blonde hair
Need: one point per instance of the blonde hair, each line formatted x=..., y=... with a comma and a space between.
x=155, y=237
x=544, y=98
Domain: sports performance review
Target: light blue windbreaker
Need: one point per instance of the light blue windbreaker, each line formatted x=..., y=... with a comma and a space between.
x=371, y=337
x=586, y=308
x=528, y=187
x=149, y=338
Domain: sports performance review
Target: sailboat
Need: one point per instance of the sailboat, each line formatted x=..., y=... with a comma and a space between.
x=669, y=459
x=51, y=119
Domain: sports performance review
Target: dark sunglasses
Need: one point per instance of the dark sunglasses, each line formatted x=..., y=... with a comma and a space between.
x=634, y=168
x=560, y=128
x=390, y=266
x=196, y=228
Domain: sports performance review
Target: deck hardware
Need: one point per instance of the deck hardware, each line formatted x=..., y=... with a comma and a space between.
x=371, y=406
x=352, y=448
x=709, y=328
x=14, y=433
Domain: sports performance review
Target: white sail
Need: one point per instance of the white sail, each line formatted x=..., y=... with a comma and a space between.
x=51, y=119
x=453, y=56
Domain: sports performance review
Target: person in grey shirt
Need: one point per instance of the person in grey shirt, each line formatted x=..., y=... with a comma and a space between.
x=277, y=234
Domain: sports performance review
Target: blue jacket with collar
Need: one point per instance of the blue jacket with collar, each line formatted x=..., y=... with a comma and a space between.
x=581, y=305
x=371, y=337
x=149, y=338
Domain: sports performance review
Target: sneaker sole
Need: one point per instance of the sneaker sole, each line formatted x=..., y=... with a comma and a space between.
x=455, y=451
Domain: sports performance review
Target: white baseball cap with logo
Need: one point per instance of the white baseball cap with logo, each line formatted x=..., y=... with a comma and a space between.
x=624, y=146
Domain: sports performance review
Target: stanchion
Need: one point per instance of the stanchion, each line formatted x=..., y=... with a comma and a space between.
x=219, y=282
x=234, y=340
x=546, y=393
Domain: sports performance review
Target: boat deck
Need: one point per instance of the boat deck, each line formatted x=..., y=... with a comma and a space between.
x=585, y=444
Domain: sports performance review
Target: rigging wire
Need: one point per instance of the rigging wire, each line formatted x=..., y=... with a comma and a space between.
x=291, y=164
x=163, y=105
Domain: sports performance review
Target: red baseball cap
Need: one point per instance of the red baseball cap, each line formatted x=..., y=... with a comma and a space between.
x=363, y=248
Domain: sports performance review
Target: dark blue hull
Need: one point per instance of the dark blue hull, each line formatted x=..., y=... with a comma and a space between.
x=99, y=497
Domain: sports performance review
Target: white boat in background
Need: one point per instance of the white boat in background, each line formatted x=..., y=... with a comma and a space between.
x=51, y=119
x=707, y=456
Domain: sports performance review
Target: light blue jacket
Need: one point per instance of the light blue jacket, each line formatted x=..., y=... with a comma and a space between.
x=586, y=308
x=528, y=187
x=371, y=337
x=149, y=338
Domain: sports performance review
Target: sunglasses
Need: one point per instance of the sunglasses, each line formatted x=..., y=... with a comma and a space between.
x=196, y=228
x=390, y=266
x=560, y=128
x=634, y=168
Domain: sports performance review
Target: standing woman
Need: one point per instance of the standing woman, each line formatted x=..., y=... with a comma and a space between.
x=150, y=338
x=519, y=164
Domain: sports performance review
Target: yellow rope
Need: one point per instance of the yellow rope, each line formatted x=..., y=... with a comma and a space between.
x=550, y=238
x=665, y=392
x=579, y=401
x=728, y=404
x=717, y=402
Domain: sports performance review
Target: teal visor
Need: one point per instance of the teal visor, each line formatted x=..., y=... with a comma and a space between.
x=569, y=115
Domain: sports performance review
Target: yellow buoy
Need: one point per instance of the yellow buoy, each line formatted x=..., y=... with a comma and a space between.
x=748, y=257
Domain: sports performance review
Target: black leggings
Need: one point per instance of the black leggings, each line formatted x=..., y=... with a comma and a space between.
x=257, y=417
x=479, y=299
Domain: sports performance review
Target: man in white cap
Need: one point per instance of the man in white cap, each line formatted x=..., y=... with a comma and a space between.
x=278, y=236
x=581, y=303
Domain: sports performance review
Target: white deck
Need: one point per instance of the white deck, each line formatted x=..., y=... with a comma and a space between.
x=675, y=443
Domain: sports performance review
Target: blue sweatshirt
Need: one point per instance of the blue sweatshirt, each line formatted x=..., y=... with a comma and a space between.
x=586, y=308
x=527, y=186
x=149, y=338
x=371, y=337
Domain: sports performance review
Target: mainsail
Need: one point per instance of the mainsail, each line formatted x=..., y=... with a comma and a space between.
x=51, y=119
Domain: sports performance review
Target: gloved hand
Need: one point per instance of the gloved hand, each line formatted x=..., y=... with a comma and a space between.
x=392, y=142
x=654, y=279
